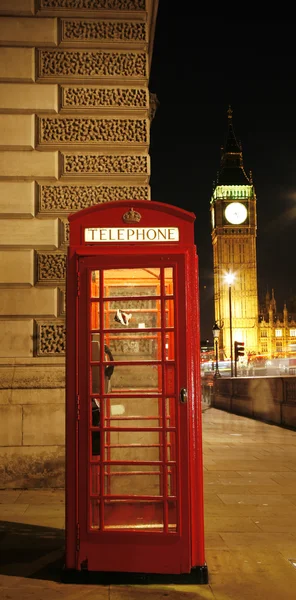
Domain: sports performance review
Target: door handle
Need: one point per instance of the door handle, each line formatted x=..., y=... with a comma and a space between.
x=183, y=395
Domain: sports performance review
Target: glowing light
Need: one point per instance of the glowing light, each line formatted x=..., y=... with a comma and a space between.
x=229, y=278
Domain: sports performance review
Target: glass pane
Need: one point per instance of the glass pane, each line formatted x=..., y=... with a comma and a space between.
x=134, y=346
x=131, y=282
x=133, y=412
x=133, y=514
x=169, y=313
x=171, y=480
x=132, y=314
x=95, y=347
x=95, y=479
x=168, y=281
x=95, y=412
x=171, y=445
x=95, y=513
x=107, y=358
x=133, y=480
x=95, y=284
x=170, y=345
x=136, y=377
x=95, y=379
x=95, y=443
x=170, y=412
x=95, y=315
x=133, y=445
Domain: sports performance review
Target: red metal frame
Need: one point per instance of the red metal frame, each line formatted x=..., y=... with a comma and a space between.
x=136, y=551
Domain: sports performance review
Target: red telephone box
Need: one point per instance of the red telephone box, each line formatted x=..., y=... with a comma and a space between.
x=134, y=484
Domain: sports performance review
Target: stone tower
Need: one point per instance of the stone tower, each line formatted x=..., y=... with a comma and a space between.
x=75, y=118
x=234, y=225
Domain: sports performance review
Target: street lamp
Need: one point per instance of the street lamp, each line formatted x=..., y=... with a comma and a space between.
x=229, y=278
x=216, y=333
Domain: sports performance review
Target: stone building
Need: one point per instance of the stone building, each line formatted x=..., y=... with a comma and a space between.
x=74, y=131
x=277, y=331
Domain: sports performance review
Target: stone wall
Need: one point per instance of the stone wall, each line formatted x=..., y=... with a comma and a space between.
x=75, y=115
x=269, y=399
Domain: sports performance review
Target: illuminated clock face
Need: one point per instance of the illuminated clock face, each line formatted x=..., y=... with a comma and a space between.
x=236, y=213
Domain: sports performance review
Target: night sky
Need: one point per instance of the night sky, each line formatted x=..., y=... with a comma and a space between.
x=197, y=72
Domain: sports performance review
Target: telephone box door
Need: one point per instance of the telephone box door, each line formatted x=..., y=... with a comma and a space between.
x=133, y=456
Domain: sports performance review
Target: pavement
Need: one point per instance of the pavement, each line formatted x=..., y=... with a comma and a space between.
x=250, y=525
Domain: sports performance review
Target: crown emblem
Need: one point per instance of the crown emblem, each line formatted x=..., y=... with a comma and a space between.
x=132, y=216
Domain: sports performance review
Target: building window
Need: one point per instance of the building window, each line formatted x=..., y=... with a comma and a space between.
x=263, y=333
x=264, y=347
x=278, y=346
x=293, y=332
x=278, y=333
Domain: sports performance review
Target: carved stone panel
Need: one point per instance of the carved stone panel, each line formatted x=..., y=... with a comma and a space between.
x=67, y=131
x=64, y=232
x=51, y=338
x=91, y=5
x=68, y=198
x=51, y=268
x=101, y=31
x=94, y=64
x=85, y=98
x=96, y=164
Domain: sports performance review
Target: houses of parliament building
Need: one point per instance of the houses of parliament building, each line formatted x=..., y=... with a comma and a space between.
x=260, y=326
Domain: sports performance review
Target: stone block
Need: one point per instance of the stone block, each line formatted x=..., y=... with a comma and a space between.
x=30, y=233
x=28, y=302
x=32, y=377
x=289, y=415
x=32, y=467
x=29, y=165
x=123, y=99
x=17, y=7
x=17, y=268
x=111, y=32
x=106, y=165
x=17, y=132
x=43, y=425
x=17, y=199
x=75, y=132
x=10, y=425
x=33, y=396
x=22, y=31
x=6, y=376
x=58, y=199
x=28, y=98
x=16, y=338
x=266, y=394
x=242, y=406
x=17, y=64
x=51, y=337
x=267, y=411
x=222, y=402
x=93, y=66
x=5, y=396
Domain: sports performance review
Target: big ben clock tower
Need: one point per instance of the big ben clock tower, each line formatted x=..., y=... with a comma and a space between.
x=234, y=225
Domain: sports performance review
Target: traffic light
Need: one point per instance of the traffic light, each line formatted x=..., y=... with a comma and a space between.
x=239, y=350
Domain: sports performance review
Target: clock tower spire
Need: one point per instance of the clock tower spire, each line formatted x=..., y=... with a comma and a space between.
x=234, y=228
x=232, y=167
